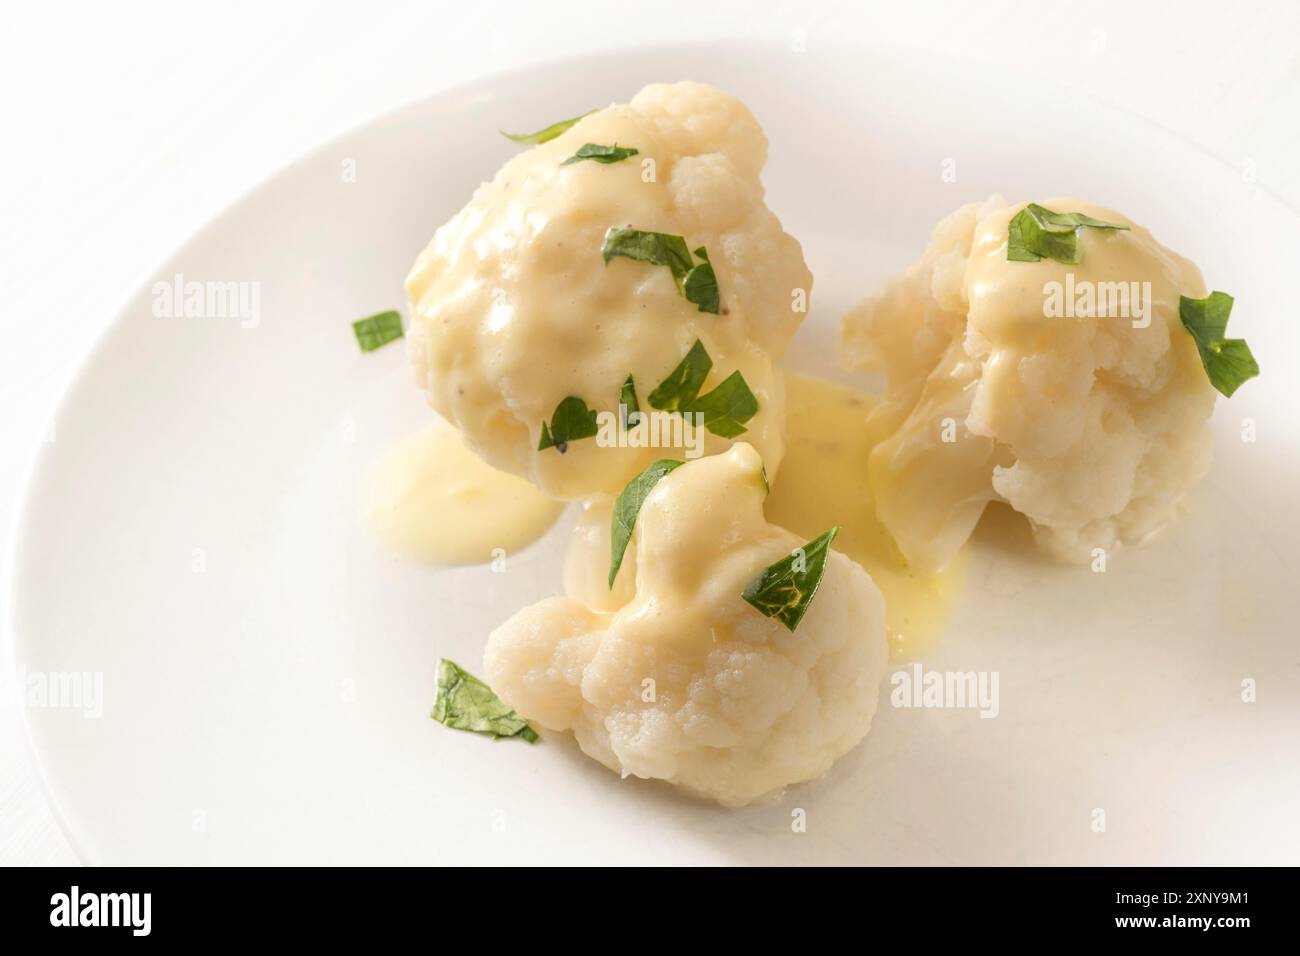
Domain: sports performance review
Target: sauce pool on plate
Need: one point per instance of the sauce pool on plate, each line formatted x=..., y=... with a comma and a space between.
x=823, y=482
x=431, y=499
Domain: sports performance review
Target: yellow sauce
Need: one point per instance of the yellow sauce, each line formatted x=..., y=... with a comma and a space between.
x=512, y=312
x=823, y=483
x=432, y=499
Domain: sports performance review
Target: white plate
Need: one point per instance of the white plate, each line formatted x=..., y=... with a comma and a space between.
x=193, y=534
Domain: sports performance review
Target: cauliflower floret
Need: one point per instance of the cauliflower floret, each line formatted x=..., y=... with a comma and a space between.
x=685, y=681
x=514, y=308
x=586, y=561
x=1093, y=426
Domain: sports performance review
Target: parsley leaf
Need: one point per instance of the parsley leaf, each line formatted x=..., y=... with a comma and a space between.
x=697, y=283
x=656, y=248
x=627, y=506
x=571, y=420
x=700, y=285
x=377, y=330
x=684, y=382
x=1037, y=233
x=466, y=703
x=1228, y=362
x=725, y=409
x=601, y=154
x=785, y=589
x=628, y=405
x=544, y=135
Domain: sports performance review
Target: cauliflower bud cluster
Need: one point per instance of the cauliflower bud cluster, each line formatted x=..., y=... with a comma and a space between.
x=629, y=267
x=517, y=308
x=685, y=681
x=1018, y=381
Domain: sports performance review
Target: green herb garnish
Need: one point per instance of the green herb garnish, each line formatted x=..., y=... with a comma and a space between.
x=785, y=589
x=544, y=135
x=466, y=703
x=1228, y=362
x=1037, y=233
x=630, y=408
x=725, y=409
x=700, y=285
x=571, y=421
x=626, y=508
x=684, y=382
x=600, y=154
x=377, y=330
x=696, y=282
x=656, y=248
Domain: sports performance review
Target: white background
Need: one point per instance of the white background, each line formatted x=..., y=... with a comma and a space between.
x=127, y=126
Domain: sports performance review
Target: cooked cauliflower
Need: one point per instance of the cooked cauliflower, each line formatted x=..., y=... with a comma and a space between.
x=586, y=561
x=1092, y=427
x=515, y=309
x=686, y=682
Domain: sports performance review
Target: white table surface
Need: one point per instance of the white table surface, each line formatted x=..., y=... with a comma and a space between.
x=127, y=126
